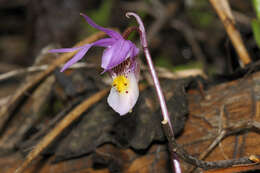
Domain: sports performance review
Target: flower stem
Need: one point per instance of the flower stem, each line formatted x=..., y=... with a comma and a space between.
x=166, y=118
x=165, y=114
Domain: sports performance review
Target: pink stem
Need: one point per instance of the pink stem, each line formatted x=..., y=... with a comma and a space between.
x=152, y=70
x=166, y=118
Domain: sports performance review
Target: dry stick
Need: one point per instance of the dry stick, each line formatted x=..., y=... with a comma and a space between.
x=32, y=69
x=223, y=10
x=237, y=169
x=200, y=163
x=217, y=141
x=162, y=72
x=6, y=111
x=222, y=132
x=73, y=115
x=230, y=130
x=33, y=140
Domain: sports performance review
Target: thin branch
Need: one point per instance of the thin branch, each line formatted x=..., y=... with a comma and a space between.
x=162, y=72
x=6, y=111
x=71, y=117
x=31, y=69
x=28, y=144
x=221, y=135
x=231, y=130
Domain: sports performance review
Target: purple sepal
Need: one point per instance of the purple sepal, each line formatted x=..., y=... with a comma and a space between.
x=76, y=58
x=116, y=54
x=109, y=32
x=117, y=49
x=63, y=50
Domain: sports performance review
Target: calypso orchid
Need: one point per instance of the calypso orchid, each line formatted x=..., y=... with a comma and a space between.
x=119, y=59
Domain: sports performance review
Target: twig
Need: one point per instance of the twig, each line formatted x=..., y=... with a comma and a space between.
x=231, y=130
x=31, y=69
x=32, y=141
x=242, y=145
x=4, y=100
x=73, y=115
x=162, y=72
x=219, y=138
x=221, y=134
x=236, y=169
x=64, y=123
x=6, y=111
x=236, y=147
x=200, y=163
x=42, y=94
x=213, y=145
x=4, y=67
x=223, y=10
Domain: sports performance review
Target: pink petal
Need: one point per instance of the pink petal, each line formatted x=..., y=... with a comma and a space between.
x=116, y=54
x=76, y=58
x=63, y=50
x=135, y=51
x=103, y=42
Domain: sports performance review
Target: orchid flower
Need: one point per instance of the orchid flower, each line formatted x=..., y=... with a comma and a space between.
x=119, y=59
